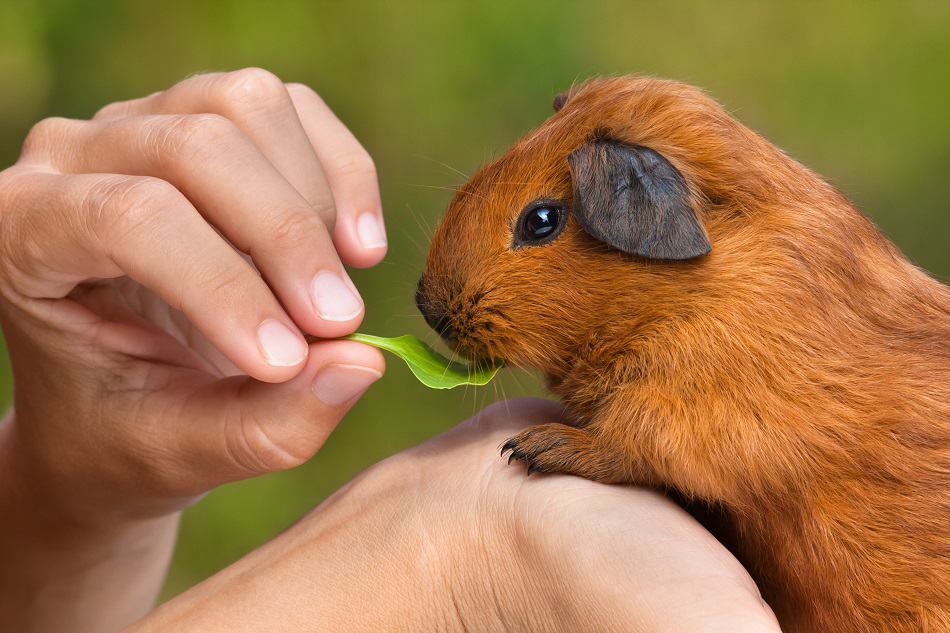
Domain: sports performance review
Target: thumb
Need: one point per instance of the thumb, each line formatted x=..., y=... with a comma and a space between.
x=239, y=427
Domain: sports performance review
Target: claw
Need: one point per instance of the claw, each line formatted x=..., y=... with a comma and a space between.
x=508, y=446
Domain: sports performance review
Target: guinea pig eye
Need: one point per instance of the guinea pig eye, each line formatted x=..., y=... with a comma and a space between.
x=540, y=223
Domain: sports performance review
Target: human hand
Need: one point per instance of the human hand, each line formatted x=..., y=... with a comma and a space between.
x=447, y=536
x=151, y=360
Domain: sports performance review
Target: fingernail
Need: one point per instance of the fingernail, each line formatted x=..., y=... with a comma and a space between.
x=338, y=384
x=369, y=229
x=281, y=347
x=334, y=299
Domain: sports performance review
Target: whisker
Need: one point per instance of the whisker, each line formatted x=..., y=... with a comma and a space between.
x=446, y=165
x=504, y=397
x=422, y=219
x=420, y=223
x=455, y=190
x=419, y=247
x=514, y=376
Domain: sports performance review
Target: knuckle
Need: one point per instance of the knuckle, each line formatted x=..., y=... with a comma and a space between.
x=227, y=283
x=356, y=164
x=119, y=205
x=186, y=137
x=46, y=133
x=23, y=242
x=257, y=445
x=295, y=227
x=250, y=87
x=224, y=281
x=109, y=110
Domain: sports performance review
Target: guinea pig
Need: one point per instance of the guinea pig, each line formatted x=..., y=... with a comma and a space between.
x=720, y=323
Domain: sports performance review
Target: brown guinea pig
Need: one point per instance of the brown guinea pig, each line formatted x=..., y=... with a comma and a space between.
x=719, y=322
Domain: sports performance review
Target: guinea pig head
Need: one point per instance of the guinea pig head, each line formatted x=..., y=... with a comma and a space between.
x=588, y=228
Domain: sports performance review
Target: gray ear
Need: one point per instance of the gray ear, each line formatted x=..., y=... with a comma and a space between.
x=634, y=200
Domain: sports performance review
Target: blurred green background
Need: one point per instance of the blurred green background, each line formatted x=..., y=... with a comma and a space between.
x=859, y=91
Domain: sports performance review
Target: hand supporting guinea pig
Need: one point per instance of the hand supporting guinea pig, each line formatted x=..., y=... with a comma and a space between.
x=447, y=537
x=151, y=360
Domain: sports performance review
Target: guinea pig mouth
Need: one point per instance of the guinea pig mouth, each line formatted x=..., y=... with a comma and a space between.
x=463, y=341
x=459, y=326
x=460, y=340
x=475, y=354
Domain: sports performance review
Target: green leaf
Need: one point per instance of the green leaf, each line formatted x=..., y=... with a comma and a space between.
x=431, y=368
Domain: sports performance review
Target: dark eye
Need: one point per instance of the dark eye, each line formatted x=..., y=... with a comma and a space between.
x=539, y=223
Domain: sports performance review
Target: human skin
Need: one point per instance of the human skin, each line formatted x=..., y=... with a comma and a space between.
x=153, y=362
x=448, y=537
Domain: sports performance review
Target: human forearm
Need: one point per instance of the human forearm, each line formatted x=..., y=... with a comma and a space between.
x=442, y=537
x=345, y=567
x=385, y=553
x=447, y=537
x=61, y=573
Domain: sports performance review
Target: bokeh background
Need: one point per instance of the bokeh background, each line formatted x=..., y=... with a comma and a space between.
x=859, y=91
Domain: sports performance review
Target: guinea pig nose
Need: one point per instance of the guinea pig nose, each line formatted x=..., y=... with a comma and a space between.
x=443, y=326
x=436, y=317
x=438, y=321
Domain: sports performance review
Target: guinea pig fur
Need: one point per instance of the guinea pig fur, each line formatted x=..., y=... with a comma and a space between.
x=721, y=323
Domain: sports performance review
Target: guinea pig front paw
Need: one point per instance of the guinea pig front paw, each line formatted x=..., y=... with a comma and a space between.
x=568, y=450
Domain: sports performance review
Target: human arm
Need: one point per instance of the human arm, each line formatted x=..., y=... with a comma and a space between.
x=448, y=537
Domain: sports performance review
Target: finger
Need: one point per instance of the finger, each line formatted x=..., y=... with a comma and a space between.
x=360, y=234
x=258, y=103
x=73, y=228
x=120, y=109
x=237, y=427
x=236, y=189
